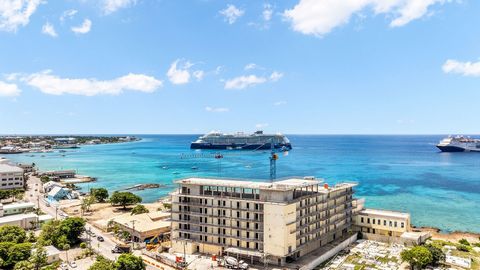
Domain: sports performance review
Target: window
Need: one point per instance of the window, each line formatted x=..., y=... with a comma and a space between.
x=390, y=223
x=238, y=223
x=238, y=243
x=256, y=206
x=402, y=225
x=248, y=215
x=384, y=223
x=256, y=246
x=361, y=220
x=373, y=221
x=248, y=234
x=395, y=224
x=368, y=220
x=238, y=214
x=248, y=205
x=248, y=225
x=238, y=233
x=238, y=204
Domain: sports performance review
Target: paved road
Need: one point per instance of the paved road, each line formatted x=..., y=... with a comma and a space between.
x=104, y=248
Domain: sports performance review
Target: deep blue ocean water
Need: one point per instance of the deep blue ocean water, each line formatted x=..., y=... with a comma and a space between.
x=405, y=173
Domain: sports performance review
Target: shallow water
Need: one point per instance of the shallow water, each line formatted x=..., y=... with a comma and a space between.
x=404, y=173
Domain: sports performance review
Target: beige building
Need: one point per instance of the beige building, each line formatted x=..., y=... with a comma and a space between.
x=10, y=176
x=276, y=221
x=144, y=227
x=382, y=224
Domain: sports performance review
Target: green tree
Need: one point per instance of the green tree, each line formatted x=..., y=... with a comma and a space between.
x=464, y=241
x=86, y=203
x=102, y=264
x=12, y=253
x=124, y=198
x=437, y=253
x=72, y=228
x=24, y=265
x=100, y=194
x=10, y=233
x=44, y=179
x=417, y=257
x=129, y=262
x=139, y=209
x=38, y=257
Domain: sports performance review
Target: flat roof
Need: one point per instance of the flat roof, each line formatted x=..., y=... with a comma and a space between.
x=6, y=168
x=18, y=205
x=18, y=217
x=286, y=184
x=385, y=213
x=143, y=222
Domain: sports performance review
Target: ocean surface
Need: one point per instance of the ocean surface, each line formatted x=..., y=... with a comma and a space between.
x=405, y=173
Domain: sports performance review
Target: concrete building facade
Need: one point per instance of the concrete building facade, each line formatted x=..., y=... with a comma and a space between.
x=263, y=221
x=11, y=177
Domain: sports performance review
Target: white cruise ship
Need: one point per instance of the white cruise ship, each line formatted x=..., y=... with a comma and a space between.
x=241, y=141
x=459, y=144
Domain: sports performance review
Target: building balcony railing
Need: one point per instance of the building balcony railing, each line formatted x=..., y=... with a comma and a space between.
x=250, y=239
x=193, y=213
x=232, y=226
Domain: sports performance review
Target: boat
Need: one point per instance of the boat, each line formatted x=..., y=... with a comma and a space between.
x=241, y=141
x=459, y=144
x=10, y=150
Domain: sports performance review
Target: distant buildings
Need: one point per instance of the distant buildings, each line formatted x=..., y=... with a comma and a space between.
x=277, y=221
x=11, y=176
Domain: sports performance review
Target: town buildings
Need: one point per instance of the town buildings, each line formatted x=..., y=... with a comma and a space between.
x=263, y=221
x=11, y=177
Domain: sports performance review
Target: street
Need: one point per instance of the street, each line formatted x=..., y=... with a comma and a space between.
x=34, y=195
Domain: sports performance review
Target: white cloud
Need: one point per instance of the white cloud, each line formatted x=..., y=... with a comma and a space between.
x=68, y=14
x=9, y=89
x=16, y=13
x=54, y=85
x=251, y=66
x=110, y=6
x=262, y=125
x=267, y=12
x=48, y=29
x=275, y=76
x=232, y=13
x=244, y=81
x=314, y=17
x=179, y=75
x=280, y=103
x=198, y=74
x=83, y=28
x=463, y=68
x=217, y=110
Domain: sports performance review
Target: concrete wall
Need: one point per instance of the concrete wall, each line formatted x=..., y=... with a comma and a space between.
x=279, y=229
x=327, y=255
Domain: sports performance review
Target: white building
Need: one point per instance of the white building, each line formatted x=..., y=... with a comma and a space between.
x=16, y=208
x=11, y=177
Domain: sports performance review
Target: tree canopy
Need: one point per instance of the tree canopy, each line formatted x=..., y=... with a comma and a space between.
x=60, y=233
x=417, y=257
x=102, y=264
x=124, y=198
x=129, y=262
x=12, y=253
x=100, y=194
x=139, y=209
x=10, y=233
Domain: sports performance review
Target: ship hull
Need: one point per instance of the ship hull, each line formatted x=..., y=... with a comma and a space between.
x=233, y=146
x=449, y=148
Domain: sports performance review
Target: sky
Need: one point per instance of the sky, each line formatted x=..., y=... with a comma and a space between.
x=192, y=66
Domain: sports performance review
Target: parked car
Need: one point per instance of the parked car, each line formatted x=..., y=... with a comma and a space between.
x=232, y=263
x=100, y=239
x=64, y=266
x=73, y=264
x=121, y=249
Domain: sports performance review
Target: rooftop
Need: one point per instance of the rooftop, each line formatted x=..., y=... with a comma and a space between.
x=14, y=218
x=286, y=184
x=6, y=168
x=385, y=213
x=144, y=222
x=18, y=205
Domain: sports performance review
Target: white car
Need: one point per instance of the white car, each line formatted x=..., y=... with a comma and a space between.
x=64, y=266
x=73, y=264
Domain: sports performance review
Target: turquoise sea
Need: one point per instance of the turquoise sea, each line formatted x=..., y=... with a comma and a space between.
x=404, y=173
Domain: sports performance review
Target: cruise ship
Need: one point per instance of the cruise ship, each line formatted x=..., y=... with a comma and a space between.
x=242, y=141
x=459, y=144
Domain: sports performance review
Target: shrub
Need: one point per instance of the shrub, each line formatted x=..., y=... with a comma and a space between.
x=83, y=245
x=464, y=248
x=464, y=241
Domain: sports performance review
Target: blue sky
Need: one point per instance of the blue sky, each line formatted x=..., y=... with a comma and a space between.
x=294, y=66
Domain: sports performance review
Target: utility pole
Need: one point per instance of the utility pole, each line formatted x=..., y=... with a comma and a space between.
x=131, y=236
x=56, y=212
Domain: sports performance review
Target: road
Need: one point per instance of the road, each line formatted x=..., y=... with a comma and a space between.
x=104, y=248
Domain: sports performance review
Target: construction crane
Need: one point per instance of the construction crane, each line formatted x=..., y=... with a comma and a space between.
x=219, y=156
